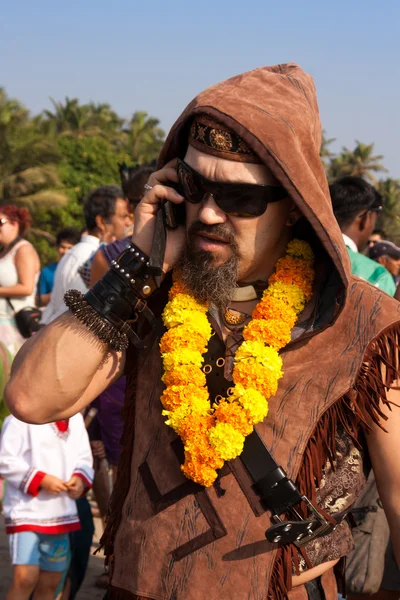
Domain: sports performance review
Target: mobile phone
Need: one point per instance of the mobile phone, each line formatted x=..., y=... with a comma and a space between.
x=175, y=214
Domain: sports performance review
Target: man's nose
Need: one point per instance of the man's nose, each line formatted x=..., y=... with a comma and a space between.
x=209, y=212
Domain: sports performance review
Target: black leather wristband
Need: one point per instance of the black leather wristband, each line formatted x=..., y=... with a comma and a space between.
x=120, y=296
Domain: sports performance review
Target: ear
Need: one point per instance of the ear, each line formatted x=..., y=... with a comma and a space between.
x=294, y=215
x=361, y=220
x=100, y=223
x=381, y=260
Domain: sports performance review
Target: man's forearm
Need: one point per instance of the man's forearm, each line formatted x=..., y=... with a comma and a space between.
x=59, y=371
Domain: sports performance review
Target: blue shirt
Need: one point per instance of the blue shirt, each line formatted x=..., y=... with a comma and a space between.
x=46, y=280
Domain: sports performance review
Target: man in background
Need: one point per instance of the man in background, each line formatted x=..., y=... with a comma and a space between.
x=106, y=218
x=356, y=205
x=376, y=236
x=387, y=254
x=65, y=240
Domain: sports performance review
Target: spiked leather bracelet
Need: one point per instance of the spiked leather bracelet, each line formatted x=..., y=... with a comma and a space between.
x=115, y=302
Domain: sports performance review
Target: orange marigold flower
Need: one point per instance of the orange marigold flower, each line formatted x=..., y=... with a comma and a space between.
x=183, y=337
x=177, y=288
x=233, y=414
x=273, y=308
x=199, y=472
x=275, y=333
x=251, y=375
x=195, y=427
x=184, y=375
x=294, y=271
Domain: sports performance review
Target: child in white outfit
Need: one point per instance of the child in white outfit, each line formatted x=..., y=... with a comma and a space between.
x=47, y=467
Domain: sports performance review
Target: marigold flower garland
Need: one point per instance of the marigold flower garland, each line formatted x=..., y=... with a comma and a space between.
x=214, y=434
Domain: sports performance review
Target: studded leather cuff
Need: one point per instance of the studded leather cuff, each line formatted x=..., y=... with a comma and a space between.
x=133, y=266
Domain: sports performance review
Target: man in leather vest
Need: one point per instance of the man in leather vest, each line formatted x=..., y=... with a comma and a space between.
x=201, y=509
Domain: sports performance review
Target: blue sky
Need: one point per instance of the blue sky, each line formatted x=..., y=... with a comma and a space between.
x=156, y=56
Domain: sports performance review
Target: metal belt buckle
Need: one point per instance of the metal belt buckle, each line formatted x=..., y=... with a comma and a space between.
x=301, y=531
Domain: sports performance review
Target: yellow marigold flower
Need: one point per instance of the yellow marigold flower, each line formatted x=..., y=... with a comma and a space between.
x=264, y=355
x=275, y=333
x=288, y=293
x=183, y=337
x=176, y=395
x=183, y=302
x=178, y=417
x=252, y=375
x=228, y=442
x=253, y=402
x=183, y=375
x=234, y=414
x=182, y=356
x=300, y=249
x=201, y=473
x=189, y=318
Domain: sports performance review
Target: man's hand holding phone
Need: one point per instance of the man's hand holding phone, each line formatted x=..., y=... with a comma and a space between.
x=147, y=209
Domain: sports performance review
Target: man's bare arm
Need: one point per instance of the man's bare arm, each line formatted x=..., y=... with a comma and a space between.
x=384, y=449
x=59, y=371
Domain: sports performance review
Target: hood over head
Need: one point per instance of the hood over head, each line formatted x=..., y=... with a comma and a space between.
x=275, y=111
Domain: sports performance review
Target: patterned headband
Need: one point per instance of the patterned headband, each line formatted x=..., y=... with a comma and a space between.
x=213, y=138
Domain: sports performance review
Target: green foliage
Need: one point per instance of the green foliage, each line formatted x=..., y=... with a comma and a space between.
x=389, y=220
x=87, y=163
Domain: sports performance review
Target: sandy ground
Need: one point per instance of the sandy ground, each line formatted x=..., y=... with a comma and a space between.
x=87, y=592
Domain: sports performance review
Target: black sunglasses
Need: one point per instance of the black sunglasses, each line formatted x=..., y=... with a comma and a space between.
x=235, y=199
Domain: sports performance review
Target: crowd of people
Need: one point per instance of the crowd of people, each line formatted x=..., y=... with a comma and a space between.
x=76, y=371
x=49, y=550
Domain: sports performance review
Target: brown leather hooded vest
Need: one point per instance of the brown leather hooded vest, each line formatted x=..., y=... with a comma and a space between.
x=172, y=540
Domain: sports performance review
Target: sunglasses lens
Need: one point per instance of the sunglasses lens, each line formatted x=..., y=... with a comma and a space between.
x=239, y=201
x=190, y=189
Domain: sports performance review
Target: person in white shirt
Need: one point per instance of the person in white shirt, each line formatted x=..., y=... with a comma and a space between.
x=107, y=217
x=46, y=467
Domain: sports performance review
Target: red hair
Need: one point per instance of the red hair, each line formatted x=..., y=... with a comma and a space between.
x=21, y=215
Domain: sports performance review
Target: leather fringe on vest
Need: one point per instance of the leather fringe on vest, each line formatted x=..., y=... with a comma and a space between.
x=358, y=409
x=356, y=412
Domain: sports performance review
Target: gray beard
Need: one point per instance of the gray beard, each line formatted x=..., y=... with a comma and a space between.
x=207, y=282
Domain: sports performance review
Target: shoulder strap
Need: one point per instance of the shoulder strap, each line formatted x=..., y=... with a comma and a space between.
x=13, y=244
x=10, y=304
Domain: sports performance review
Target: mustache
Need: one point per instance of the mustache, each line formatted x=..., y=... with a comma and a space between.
x=218, y=229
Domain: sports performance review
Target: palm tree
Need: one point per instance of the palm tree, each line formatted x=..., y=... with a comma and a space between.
x=80, y=120
x=360, y=162
x=70, y=118
x=102, y=116
x=27, y=159
x=144, y=138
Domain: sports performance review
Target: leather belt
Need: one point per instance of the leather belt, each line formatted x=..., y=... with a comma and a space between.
x=279, y=494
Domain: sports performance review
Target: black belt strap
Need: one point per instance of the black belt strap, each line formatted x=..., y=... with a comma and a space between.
x=279, y=494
